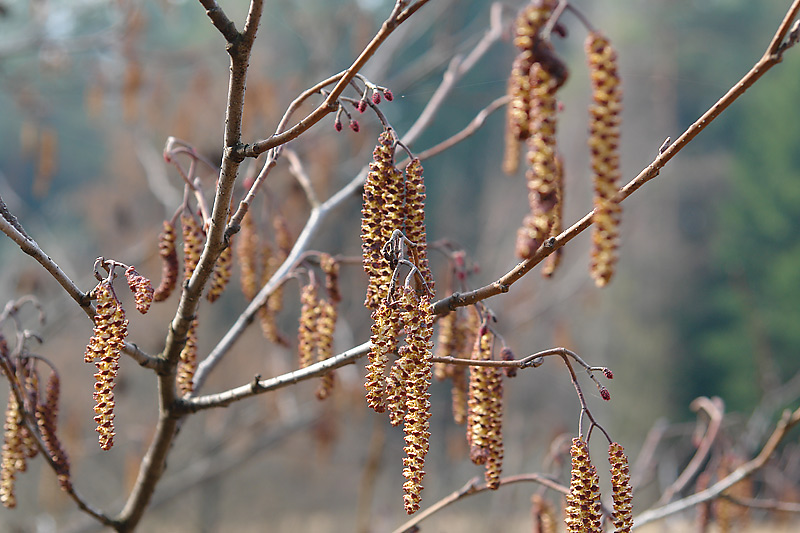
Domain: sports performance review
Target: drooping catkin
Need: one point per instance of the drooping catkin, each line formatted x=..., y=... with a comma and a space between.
x=418, y=320
x=553, y=260
x=326, y=324
x=414, y=220
x=604, y=135
x=169, y=262
x=46, y=419
x=12, y=459
x=307, y=334
x=480, y=401
x=105, y=345
x=543, y=514
x=385, y=329
x=541, y=176
x=223, y=269
x=382, y=202
x=187, y=362
x=193, y=241
x=248, y=255
x=583, y=513
x=141, y=288
x=622, y=490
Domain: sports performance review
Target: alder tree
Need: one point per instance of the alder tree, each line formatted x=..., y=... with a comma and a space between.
x=426, y=324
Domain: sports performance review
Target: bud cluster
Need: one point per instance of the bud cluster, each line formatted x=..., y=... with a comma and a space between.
x=604, y=134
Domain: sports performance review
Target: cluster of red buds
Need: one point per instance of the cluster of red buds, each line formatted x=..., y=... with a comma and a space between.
x=604, y=137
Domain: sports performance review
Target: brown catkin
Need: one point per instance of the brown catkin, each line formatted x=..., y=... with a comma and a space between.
x=141, y=288
x=12, y=459
x=326, y=324
x=187, y=363
x=105, y=346
x=384, y=341
x=553, y=260
x=46, y=419
x=518, y=110
x=307, y=334
x=583, y=513
x=221, y=275
x=330, y=266
x=193, y=241
x=414, y=225
x=479, y=418
x=169, y=262
x=622, y=489
x=418, y=320
x=604, y=134
x=381, y=209
x=248, y=254
x=543, y=514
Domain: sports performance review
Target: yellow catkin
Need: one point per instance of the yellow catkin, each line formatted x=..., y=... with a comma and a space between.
x=223, y=269
x=583, y=514
x=169, y=262
x=543, y=514
x=193, y=241
x=248, y=254
x=553, y=260
x=104, y=348
x=326, y=324
x=418, y=320
x=187, y=363
x=414, y=225
x=384, y=341
x=604, y=135
x=622, y=489
x=307, y=334
x=12, y=459
x=141, y=288
x=479, y=403
x=330, y=266
x=381, y=209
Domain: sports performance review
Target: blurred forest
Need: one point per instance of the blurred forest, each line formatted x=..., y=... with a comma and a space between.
x=706, y=301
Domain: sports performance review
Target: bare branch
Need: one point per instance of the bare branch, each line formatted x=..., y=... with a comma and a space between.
x=220, y=20
x=786, y=423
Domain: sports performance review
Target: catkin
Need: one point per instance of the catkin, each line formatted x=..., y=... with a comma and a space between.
x=193, y=241
x=12, y=459
x=307, y=334
x=141, y=288
x=169, y=262
x=325, y=328
x=187, y=362
x=46, y=419
x=105, y=345
x=223, y=269
x=622, y=490
x=604, y=134
x=583, y=513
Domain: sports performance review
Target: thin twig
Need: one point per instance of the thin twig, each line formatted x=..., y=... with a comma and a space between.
x=785, y=424
x=472, y=487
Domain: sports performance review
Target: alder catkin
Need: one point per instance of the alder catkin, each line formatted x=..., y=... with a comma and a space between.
x=326, y=324
x=248, y=255
x=169, y=262
x=583, y=514
x=414, y=223
x=12, y=459
x=193, y=241
x=104, y=348
x=141, y=288
x=622, y=490
x=46, y=418
x=187, y=362
x=383, y=341
x=479, y=403
x=223, y=269
x=604, y=135
x=307, y=334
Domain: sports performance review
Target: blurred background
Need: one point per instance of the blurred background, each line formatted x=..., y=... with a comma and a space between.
x=704, y=303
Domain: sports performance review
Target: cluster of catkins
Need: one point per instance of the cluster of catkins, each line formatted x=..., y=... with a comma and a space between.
x=193, y=238
x=394, y=241
x=258, y=260
x=318, y=320
x=583, y=513
x=536, y=75
x=19, y=443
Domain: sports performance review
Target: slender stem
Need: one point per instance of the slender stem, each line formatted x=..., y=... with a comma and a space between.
x=472, y=487
x=785, y=424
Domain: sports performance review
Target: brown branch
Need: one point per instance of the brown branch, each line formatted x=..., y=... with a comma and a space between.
x=785, y=424
x=330, y=105
x=220, y=20
x=472, y=487
x=715, y=409
x=259, y=386
x=14, y=230
x=767, y=61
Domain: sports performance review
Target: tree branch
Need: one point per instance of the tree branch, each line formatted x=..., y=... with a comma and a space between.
x=786, y=423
